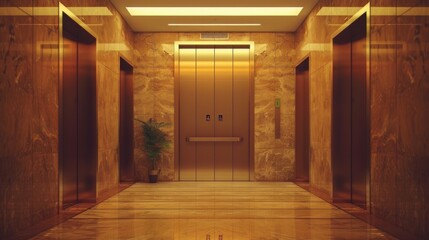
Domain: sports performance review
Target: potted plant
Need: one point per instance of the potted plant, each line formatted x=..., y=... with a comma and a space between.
x=155, y=142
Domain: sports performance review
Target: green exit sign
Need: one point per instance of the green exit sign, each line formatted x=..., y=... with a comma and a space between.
x=277, y=104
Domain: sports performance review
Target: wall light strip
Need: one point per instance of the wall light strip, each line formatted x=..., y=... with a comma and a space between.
x=214, y=24
x=214, y=11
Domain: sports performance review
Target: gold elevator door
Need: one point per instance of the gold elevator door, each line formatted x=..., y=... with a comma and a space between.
x=214, y=113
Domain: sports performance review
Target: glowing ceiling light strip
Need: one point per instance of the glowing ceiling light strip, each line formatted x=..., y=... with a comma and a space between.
x=214, y=24
x=214, y=11
x=53, y=11
x=375, y=11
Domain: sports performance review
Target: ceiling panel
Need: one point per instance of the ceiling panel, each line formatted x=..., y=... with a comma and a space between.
x=268, y=23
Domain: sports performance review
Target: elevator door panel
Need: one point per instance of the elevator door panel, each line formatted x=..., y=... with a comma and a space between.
x=341, y=139
x=359, y=123
x=187, y=68
x=205, y=113
x=126, y=121
x=302, y=122
x=223, y=113
x=350, y=135
x=70, y=142
x=78, y=106
x=241, y=115
x=87, y=120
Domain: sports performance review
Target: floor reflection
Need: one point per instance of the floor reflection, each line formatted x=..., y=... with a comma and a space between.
x=221, y=210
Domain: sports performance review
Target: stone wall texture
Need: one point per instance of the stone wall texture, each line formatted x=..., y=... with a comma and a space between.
x=399, y=83
x=29, y=106
x=399, y=80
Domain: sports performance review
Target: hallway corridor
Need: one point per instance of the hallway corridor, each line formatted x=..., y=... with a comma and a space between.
x=207, y=210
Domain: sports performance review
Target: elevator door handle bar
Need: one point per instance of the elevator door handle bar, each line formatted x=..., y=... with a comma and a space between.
x=214, y=139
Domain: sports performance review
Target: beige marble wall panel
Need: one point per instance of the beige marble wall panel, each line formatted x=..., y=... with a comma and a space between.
x=108, y=108
x=108, y=171
x=321, y=170
x=108, y=128
x=383, y=86
x=29, y=106
x=383, y=177
x=45, y=91
x=413, y=86
x=398, y=83
x=45, y=122
x=154, y=95
x=16, y=104
x=274, y=78
x=412, y=192
x=274, y=164
x=44, y=186
x=383, y=116
x=16, y=188
x=413, y=131
x=320, y=129
x=15, y=85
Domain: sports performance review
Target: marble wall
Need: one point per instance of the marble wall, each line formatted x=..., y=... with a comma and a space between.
x=399, y=100
x=400, y=133
x=29, y=105
x=274, y=78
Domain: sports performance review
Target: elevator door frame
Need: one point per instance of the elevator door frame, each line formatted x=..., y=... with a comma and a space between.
x=63, y=10
x=365, y=10
x=212, y=44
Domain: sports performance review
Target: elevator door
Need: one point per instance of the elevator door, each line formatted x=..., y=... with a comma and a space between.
x=214, y=113
x=302, y=125
x=350, y=141
x=126, y=121
x=78, y=121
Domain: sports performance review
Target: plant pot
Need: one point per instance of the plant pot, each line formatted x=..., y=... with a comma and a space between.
x=153, y=176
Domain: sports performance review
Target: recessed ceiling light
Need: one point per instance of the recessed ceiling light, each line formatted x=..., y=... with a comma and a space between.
x=214, y=11
x=214, y=24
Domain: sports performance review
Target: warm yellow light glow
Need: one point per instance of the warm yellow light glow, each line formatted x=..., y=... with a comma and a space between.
x=338, y=11
x=316, y=47
x=214, y=24
x=11, y=11
x=53, y=11
x=113, y=47
x=214, y=11
x=375, y=11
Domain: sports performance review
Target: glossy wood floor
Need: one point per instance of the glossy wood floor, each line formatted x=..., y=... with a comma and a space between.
x=214, y=210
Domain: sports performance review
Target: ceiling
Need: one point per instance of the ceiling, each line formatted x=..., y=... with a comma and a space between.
x=267, y=23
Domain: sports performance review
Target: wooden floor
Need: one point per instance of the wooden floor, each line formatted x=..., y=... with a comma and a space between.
x=214, y=210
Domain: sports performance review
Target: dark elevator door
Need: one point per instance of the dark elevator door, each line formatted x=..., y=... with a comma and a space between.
x=350, y=144
x=70, y=142
x=302, y=131
x=79, y=115
x=126, y=121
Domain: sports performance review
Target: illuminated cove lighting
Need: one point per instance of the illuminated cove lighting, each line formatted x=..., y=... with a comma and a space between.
x=214, y=11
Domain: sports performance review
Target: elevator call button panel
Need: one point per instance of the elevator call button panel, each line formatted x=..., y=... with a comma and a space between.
x=277, y=102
